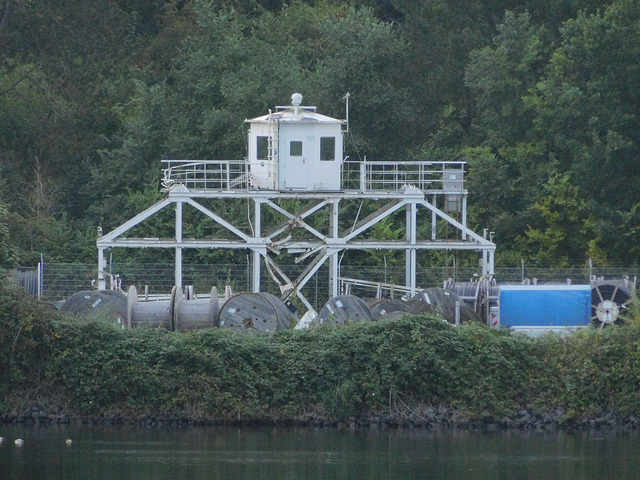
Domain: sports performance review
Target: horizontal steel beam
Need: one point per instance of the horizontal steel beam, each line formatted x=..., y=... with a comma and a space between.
x=329, y=196
x=295, y=245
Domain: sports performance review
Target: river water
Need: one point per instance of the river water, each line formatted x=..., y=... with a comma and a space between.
x=196, y=453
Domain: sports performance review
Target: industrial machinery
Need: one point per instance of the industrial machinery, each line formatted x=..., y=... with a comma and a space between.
x=300, y=194
x=296, y=173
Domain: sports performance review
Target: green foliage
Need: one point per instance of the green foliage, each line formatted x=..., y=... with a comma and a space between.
x=591, y=370
x=364, y=368
x=564, y=220
x=501, y=75
x=8, y=253
x=27, y=336
x=93, y=95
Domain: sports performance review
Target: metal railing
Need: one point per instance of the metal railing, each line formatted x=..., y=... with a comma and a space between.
x=365, y=176
x=202, y=175
x=432, y=177
x=353, y=286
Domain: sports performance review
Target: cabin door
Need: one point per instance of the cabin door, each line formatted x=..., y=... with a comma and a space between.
x=294, y=161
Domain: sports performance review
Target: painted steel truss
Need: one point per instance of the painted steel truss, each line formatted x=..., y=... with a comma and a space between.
x=296, y=234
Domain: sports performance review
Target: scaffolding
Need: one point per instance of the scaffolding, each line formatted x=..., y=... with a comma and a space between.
x=394, y=188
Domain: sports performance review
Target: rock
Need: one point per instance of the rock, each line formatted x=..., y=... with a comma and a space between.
x=506, y=422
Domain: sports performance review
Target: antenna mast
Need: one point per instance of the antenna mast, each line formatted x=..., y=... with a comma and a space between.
x=346, y=97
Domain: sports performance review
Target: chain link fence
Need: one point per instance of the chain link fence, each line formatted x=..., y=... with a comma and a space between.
x=54, y=282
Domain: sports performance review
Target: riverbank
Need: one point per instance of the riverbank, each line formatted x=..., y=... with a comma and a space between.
x=436, y=419
x=415, y=372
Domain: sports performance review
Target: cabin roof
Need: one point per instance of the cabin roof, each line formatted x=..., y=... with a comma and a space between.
x=288, y=115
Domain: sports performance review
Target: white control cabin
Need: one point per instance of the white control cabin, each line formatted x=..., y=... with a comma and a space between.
x=296, y=149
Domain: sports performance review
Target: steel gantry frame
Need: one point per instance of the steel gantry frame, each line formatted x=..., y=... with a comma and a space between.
x=190, y=183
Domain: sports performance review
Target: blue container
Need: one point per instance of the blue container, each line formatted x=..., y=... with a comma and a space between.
x=545, y=305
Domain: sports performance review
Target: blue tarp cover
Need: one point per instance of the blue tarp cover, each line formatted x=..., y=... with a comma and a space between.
x=545, y=305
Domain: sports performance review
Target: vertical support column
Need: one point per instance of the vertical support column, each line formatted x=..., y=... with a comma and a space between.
x=492, y=266
x=102, y=267
x=178, y=260
x=488, y=262
x=410, y=253
x=255, y=256
x=464, y=216
x=40, y=279
x=434, y=219
x=334, y=267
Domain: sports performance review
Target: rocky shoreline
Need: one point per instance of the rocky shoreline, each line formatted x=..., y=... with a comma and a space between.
x=437, y=419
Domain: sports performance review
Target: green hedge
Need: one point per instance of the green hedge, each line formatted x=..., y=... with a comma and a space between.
x=364, y=368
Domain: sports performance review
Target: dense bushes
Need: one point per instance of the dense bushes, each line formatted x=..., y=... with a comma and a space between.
x=27, y=335
x=330, y=373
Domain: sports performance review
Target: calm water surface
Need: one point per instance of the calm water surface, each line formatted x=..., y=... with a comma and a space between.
x=279, y=453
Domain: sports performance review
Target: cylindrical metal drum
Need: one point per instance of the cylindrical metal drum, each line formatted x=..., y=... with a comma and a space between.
x=102, y=305
x=609, y=301
x=196, y=313
x=150, y=314
x=257, y=312
x=437, y=296
x=447, y=304
x=385, y=308
x=343, y=309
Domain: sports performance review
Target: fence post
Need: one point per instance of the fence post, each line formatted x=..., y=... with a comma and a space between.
x=40, y=279
x=363, y=186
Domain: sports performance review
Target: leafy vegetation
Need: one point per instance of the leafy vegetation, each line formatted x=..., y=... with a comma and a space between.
x=542, y=99
x=97, y=369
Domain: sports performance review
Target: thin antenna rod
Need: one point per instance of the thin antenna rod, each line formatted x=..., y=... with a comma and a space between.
x=346, y=97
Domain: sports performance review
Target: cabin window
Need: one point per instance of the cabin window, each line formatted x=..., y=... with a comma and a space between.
x=262, y=150
x=295, y=149
x=327, y=148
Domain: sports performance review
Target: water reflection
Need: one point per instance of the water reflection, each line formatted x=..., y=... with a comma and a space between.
x=278, y=453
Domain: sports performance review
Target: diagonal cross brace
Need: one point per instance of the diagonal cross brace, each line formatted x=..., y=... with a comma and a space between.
x=139, y=218
x=374, y=218
x=273, y=265
x=307, y=273
x=218, y=219
x=297, y=219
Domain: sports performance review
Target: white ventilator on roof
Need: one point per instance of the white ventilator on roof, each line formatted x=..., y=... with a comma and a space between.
x=295, y=149
x=296, y=101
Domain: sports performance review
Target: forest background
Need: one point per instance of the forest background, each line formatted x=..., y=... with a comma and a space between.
x=542, y=99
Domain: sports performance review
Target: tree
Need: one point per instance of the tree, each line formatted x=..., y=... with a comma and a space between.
x=563, y=225
x=6, y=10
x=8, y=254
x=586, y=111
x=500, y=75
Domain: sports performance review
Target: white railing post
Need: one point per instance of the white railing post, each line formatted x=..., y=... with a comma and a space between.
x=102, y=267
x=40, y=279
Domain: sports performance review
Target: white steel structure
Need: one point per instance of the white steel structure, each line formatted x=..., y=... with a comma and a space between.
x=295, y=171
